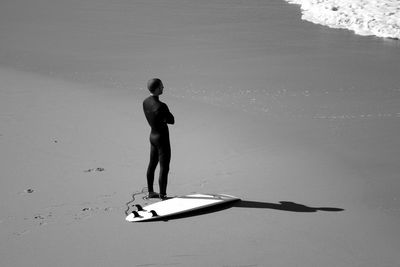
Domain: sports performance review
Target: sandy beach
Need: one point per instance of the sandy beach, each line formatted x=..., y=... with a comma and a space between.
x=298, y=120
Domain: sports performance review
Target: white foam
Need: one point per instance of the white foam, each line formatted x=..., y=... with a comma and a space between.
x=364, y=17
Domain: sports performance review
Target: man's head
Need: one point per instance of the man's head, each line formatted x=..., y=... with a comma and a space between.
x=155, y=86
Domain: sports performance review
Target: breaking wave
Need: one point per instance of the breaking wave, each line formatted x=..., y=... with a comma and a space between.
x=364, y=17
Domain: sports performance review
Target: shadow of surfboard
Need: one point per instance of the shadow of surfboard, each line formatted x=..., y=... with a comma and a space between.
x=199, y=212
x=281, y=205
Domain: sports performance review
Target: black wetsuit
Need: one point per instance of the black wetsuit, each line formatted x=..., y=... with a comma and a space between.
x=158, y=116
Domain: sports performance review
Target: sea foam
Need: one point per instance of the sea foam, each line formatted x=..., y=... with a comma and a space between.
x=364, y=17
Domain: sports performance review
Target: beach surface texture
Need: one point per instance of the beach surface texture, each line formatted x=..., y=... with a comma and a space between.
x=299, y=121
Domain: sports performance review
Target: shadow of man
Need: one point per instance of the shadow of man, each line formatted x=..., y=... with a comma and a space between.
x=282, y=205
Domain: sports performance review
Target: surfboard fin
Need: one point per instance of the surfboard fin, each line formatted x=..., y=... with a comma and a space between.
x=153, y=213
x=135, y=214
x=139, y=208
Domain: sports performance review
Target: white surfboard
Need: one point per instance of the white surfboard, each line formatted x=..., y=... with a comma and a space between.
x=178, y=205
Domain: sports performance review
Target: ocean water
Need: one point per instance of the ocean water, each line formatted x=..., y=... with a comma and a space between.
x=364, y=17
x=255, y=56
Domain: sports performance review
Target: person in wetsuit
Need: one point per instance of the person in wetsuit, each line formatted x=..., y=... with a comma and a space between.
x=158, y=117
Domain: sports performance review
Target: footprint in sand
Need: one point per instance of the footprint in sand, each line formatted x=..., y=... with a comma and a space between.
x=88, y=212
x=63, y=213
x=21, y=232
x=26, y=191
x=43, y=219
x=98, y=169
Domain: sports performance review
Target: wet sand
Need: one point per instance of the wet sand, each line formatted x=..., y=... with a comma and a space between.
x=300, y=121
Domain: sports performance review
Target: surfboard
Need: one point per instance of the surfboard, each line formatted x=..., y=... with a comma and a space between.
x=178, y=205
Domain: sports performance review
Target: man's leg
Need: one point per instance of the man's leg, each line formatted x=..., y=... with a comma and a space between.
x=152, y=167
x=164, y=158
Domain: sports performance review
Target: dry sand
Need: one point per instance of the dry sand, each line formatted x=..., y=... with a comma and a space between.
x=300, y=121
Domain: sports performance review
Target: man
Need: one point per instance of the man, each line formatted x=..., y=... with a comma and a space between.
x=158, y=116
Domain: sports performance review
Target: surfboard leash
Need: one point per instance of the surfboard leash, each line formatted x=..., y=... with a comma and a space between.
x=128, y=204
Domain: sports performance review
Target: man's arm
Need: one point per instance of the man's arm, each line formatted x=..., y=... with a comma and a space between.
x=168, y=117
